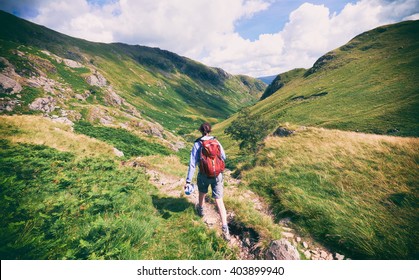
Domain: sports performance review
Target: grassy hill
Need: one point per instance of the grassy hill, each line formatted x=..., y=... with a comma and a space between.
x=67, y=106
x=67, y=196
x=353, y=192
x=368, y=85
x=163, y=87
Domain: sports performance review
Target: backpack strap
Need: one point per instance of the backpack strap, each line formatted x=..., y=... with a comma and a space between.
x=200, y=139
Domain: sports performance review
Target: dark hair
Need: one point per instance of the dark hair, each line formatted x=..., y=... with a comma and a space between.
x=205, y=128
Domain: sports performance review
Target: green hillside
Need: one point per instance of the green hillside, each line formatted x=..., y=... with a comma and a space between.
x=354, y=192
x=82, y=124
x=368, y=85
x=67, y=196
x=163, y=87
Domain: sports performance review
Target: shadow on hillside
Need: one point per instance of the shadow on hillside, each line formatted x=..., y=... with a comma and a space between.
x=166, y=205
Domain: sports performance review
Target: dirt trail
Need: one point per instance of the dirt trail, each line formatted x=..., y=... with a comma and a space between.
x=173, y=186
x=245, y=239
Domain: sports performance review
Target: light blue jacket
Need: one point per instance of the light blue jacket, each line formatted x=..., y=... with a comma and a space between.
x=195, y=156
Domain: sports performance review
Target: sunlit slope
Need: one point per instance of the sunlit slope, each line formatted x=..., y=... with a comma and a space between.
x=67, y=196
x=172, y=90
x=367, y=85
x=356, y=193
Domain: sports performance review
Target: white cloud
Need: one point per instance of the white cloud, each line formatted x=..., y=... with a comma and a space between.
x=204, y=30
x=412, y=17
x=312, y=31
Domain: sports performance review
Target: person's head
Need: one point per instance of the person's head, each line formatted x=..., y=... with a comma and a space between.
x=205, y=128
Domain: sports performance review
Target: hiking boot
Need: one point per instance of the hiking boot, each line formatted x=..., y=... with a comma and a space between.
x=199, y=210
x=226, y=233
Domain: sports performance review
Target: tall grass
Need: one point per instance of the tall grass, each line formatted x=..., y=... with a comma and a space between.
x=55, y=206
x=355, y=193
x=128, y=143
x=42, y=131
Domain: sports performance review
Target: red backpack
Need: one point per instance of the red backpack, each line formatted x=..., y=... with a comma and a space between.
x=211, y=163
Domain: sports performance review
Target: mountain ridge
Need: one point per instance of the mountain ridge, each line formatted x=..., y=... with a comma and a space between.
x=352, y=78
x=139, y=75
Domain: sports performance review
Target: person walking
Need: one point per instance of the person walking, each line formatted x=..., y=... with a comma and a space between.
x=208, y=152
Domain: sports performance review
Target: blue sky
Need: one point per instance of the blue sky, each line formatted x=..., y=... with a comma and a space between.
x=252, y=37
x=273, y=19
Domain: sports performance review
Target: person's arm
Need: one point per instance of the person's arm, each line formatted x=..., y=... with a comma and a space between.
x=223, y=154
x=192, y=162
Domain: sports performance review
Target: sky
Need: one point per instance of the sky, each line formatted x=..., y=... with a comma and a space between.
x=252, y=37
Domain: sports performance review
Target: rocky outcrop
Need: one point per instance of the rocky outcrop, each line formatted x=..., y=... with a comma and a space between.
x=100, y=114
x=46, y=104
x=72, y=64
x=42, y=66
x=282, y=250
x=117, y=152
x=8, y=105
x=62, y=120
x=283, y=132
x=321, y=63
x=96, y=80
x=8, y=85
x=45, y=83
x=113, y=99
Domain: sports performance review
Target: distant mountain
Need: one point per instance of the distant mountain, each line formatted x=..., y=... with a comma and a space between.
x=280, y=80
x=113, y=84
x=267, y=79
x=367, y=85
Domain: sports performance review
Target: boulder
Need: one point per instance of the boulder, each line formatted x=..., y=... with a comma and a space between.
x=113, y=98
x=100, y=114
x=63, y=120
x=283, y=132
x=307, y=254
x=282, y=250
x=8, y=85
x=96, y=80
x=118, y=153
x=72, y=64
x=46, y=104
x=339, y=257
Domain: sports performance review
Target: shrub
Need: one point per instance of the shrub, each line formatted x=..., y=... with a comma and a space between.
x=249, y=129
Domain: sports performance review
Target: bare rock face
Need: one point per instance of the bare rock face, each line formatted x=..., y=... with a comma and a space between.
x=47, y=84
x=100, y=114
x=8, y=105
x=8, y=85
x=63, y=120
x=96, y=80
x=46, y=104
x=113, y=99
x=282, y=250
x=117, y=152
x=72, y=64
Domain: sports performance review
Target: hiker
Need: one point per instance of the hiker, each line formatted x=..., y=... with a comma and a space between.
x=208, y=175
